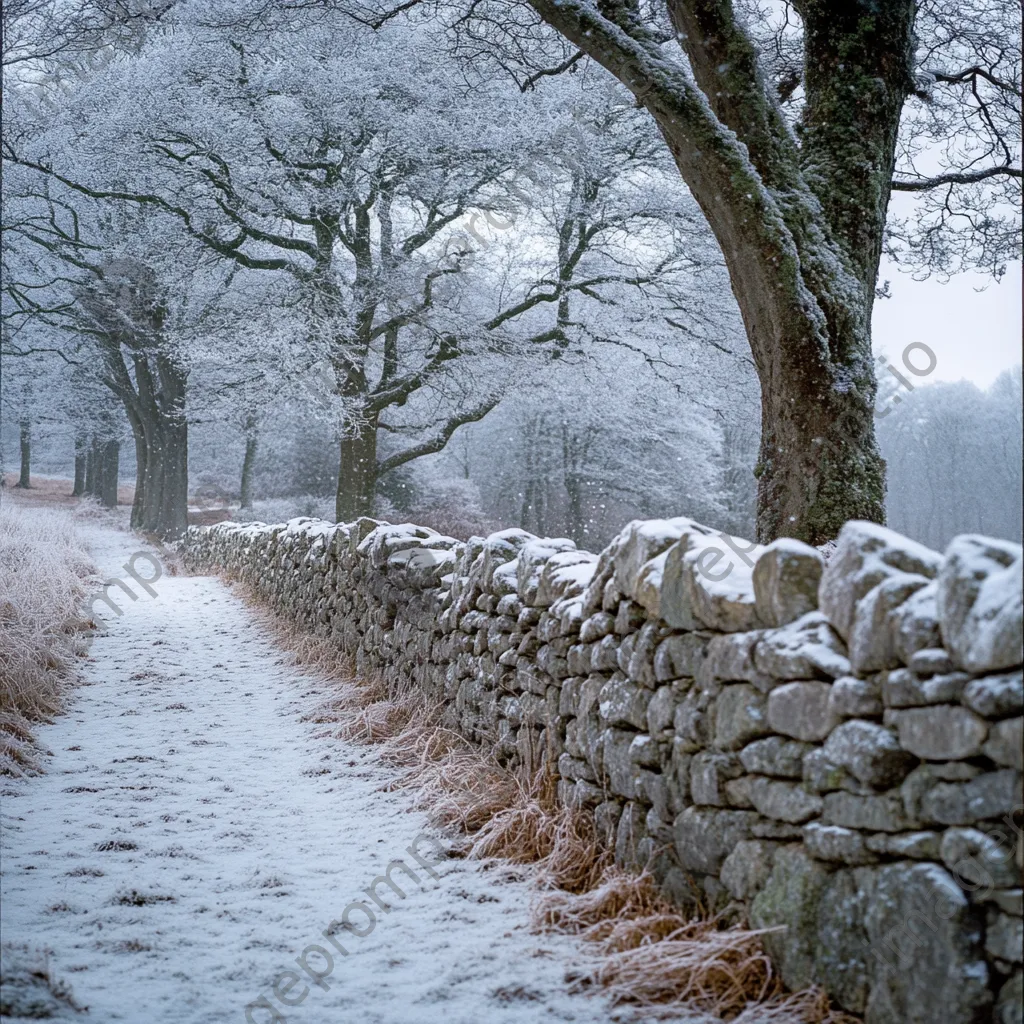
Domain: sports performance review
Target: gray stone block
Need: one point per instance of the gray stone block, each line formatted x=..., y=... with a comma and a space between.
x=928, y=963
x=979, y=860
x=870, y=753
x=784, y=801
x=801, y=710
x=739, y=716
x=775, y=756
x=943, y=732
x=991, y=795
x=980, y=603
x=709, y=772
x=705, y=837
x=1004, y=743
x=883, y=813
x=786, y=578
x=995, y=696
x=748, y=867
x=855, y=698
x=623, y=702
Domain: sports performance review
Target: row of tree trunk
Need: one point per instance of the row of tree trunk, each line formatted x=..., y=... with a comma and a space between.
x=97, y=461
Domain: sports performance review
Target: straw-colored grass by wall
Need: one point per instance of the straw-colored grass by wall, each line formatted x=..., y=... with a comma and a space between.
x=647, y=953
x=44, y=568
x=29, y=989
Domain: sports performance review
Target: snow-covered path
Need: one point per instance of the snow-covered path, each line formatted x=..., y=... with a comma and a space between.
x=191, y=837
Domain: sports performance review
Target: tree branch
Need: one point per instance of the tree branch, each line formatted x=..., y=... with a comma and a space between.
x=954, y=178
x=440, y=439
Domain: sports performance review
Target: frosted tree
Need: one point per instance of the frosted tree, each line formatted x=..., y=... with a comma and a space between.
x=785, y=123
x=327, y=171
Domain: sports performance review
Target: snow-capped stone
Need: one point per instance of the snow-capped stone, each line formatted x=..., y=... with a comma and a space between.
x=565, y=574
x=500, y=549
x=383, y=541
x=836, y=844
x=532, y=557
x=598, y=625
x=930, y=661
x=980, y=603
x=865, y=555
x=708, y=582
x=903, y=689
x=807, y=648
x=505, y=579
x=647, y=589
x=786, y=578
x=873, y=636
x=995, y=696
x=642, y=540
x=914, y=625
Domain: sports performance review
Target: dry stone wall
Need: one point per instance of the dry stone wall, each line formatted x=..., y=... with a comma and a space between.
x=833, y=749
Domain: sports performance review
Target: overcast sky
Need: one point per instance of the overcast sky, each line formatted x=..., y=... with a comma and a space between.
x=974, y=333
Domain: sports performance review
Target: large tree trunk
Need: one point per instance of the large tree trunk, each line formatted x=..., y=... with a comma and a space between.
x=138, y=435
x=110, y=460
x=161, y=489
x=156, y=412
x=800, y=222
x=91, y=467
x=99, y=468
x=151, y=474
x=25, y=438
x=819, y=464
x=357, y=468
x=81, y=441
x=248, y=462
x=172, y=520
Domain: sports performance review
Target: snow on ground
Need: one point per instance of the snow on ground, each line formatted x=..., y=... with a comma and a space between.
x=191, y=837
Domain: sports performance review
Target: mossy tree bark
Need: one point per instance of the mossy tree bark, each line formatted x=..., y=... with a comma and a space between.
x=799, y=217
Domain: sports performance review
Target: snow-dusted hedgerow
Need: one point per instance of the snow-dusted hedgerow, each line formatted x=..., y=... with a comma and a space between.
x=44, y=566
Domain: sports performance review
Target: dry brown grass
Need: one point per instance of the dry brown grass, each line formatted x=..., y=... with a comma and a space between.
x=650, y=955
x=30, y=989
x=44, y=568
